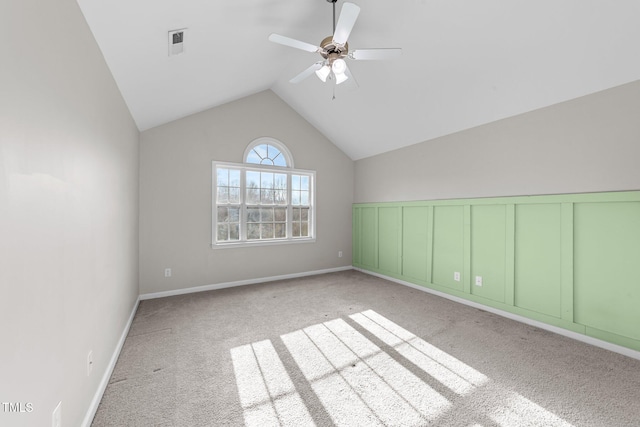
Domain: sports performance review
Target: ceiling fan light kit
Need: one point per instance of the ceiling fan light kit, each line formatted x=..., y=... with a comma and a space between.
x=323, y=73
x=335, y=49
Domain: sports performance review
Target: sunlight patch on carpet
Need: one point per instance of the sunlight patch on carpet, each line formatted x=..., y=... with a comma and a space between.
x=341, y=401
x=389, y=390
x=455, y=375
x=359, y=384
x=266, y=392
x=517, y=410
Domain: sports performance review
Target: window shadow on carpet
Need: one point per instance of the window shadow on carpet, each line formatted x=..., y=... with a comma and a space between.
x=334, y=371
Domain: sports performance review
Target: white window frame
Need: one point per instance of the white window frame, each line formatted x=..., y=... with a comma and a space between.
x=244, y=167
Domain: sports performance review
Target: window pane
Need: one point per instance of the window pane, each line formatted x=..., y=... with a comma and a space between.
x=253, y=196
x=253, y=157
x=280, y=160
x=253, y=179
x=234, y=195
x=266, y=214
x=281, y=181
x=234, y=231
x=295, y=182
x=280, y=214
x=234, y=178
x=295, y=198
x=253, y=214
x=267, y=231
x=261, y=150
x=281, y=188
x=223, y=195
x=234, y=214
x=268, y=180
x=272, y=151
x=304, y=183
x=280, y=197
x=267, y=197
x=296, y=229
x=304, y=198
x=223, y=214
x=296, y=214
x=223, y=232
x=280, y=231
x=304, y=214
x=223, y=177
x=253, y=231
x=305, y=229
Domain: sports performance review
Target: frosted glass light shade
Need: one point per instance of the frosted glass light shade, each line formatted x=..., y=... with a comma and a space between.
x=339, y=66
x=323, y=73
x=342, y=77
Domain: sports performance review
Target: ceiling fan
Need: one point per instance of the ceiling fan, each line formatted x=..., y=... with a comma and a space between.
x=335, y=49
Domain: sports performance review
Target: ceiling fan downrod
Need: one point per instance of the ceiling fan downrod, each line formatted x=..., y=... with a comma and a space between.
x=334, y=13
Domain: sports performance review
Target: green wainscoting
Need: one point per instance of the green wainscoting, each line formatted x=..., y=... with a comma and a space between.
x=448, y=245
x=571, y=261
x=538, y=268
x=389, y=239
x=415, y=242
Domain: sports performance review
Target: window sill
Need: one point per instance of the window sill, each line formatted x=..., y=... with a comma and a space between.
x=259, y=244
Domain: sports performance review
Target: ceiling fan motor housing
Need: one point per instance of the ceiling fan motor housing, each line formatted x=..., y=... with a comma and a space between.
x=333, y=51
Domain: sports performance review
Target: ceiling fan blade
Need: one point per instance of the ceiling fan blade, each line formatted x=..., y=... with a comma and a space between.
x=348, y=16
x=374, y=54
x=287, y=41
x=306, y=73
x=352, y=80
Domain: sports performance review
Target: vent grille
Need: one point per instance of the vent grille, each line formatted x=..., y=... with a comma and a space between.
x=176, y=41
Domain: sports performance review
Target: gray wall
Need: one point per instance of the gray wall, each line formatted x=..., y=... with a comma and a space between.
x=176, y=186
x=587, y=144
x=68, y=212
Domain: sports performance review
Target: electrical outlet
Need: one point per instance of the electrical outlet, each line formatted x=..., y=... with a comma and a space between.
x=167, y=272
x=89, y=362
x=456, y=276
x=339, y=254
x=56, y=417
x=478, y=280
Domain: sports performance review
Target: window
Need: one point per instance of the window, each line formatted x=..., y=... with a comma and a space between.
x=263, y=200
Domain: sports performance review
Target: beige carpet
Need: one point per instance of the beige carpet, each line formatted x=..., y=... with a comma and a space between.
x=351, y=349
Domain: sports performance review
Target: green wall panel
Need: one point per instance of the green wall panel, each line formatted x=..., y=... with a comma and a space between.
x=448, y=245
x=569, y=260
x=355, y=227
x=606, y=261
x=388, y=239
x=538, y=258
x=368, y=247
x=415, y=226
x=488, y=249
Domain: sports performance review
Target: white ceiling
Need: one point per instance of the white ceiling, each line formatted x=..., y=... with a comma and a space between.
x=464, y=62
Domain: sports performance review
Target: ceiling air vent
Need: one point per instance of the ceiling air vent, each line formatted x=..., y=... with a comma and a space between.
x=176, y=41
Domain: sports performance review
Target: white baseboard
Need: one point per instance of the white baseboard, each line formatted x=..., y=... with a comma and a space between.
x=239, y=283
x=560, y=331
x=91, y=412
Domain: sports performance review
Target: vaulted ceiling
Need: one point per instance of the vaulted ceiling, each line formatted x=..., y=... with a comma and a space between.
x=464, y=62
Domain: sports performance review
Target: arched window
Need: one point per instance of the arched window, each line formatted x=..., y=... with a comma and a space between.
x=263, y=200
x=268, y=152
